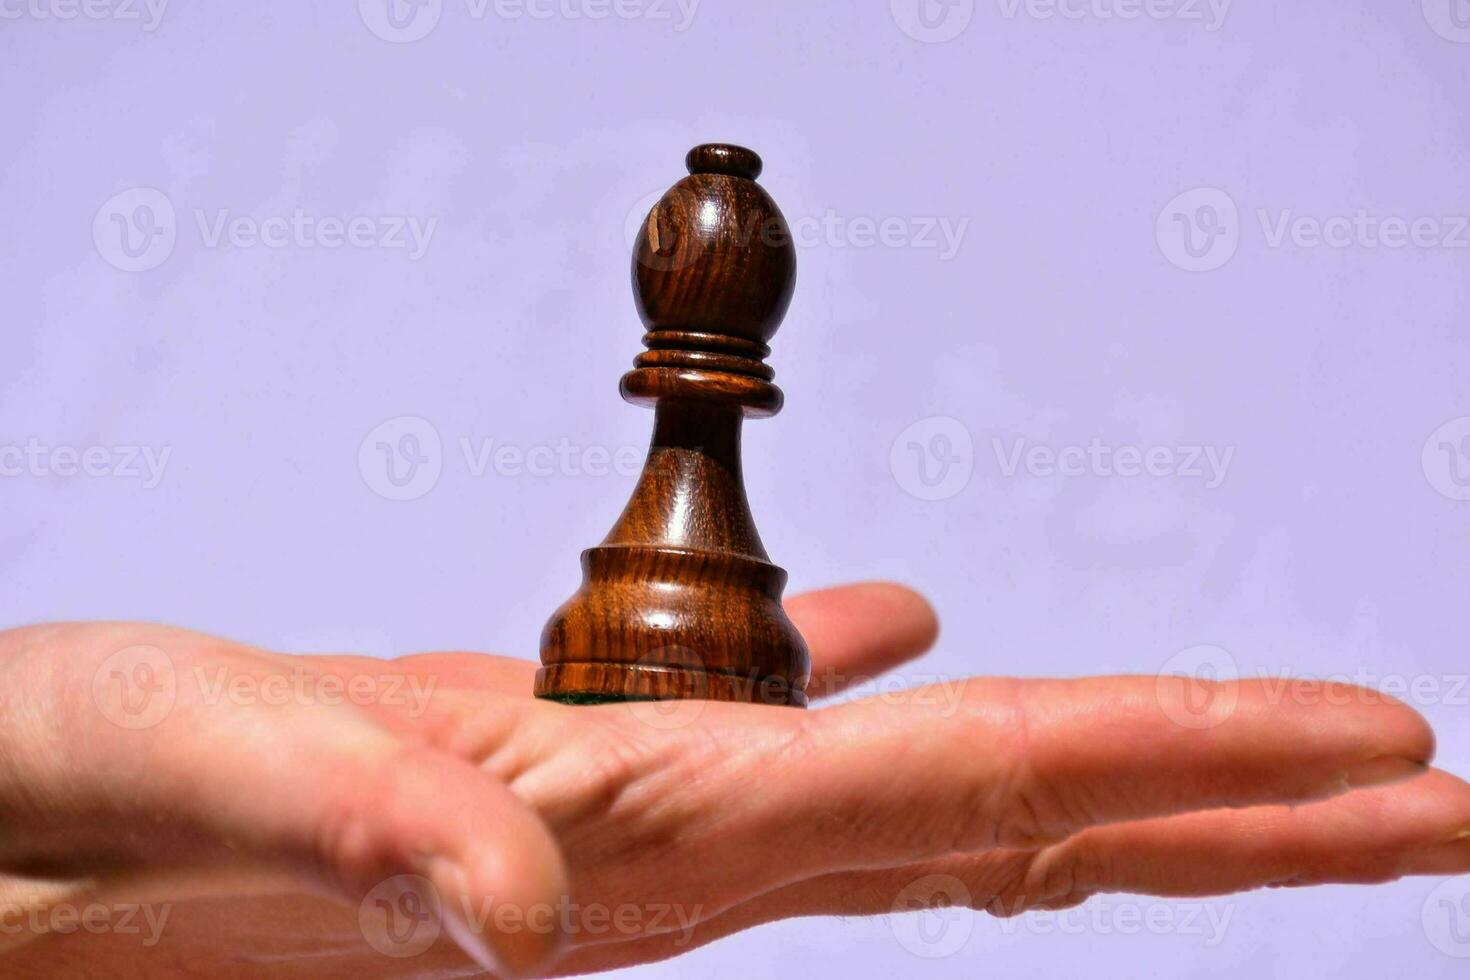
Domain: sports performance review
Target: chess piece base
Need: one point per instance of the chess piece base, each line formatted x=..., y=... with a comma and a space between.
x=594, y=683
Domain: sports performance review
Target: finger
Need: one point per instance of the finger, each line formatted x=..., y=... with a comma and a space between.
x=1367, y=837
x=1419, y=827
x=1022, y=763
x=1008, y=764
x=438, y=671
x=856, y=632
x=223, y=780
x=1371, y=836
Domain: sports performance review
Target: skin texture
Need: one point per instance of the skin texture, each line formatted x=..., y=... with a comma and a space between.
x=263, y=829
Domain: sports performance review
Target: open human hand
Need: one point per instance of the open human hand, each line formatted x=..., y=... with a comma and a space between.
x=440, y=810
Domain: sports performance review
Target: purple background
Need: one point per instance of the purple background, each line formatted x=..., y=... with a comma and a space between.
x=1330, y=545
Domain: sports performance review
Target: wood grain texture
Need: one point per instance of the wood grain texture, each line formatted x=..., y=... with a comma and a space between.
x=680, y=600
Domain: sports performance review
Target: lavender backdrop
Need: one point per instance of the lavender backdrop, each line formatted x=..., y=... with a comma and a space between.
x=246, y=243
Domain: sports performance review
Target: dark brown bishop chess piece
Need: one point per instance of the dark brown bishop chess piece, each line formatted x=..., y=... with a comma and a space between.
x=680, y=600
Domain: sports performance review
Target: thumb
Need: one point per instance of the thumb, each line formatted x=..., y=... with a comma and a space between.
x=229, y=779
x=425, y=842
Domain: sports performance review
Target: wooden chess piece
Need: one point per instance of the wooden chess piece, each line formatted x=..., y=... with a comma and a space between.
x=680, y=600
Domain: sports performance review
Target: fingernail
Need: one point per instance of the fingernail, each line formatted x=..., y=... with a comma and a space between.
x=1381, y=772
x=453, y=885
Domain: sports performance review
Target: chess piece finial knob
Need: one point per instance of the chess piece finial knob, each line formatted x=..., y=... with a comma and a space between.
x=713, y=272
x=715, y=255
x=680, y=600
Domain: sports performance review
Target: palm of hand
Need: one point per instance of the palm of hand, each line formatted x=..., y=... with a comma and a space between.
x=626, y=833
